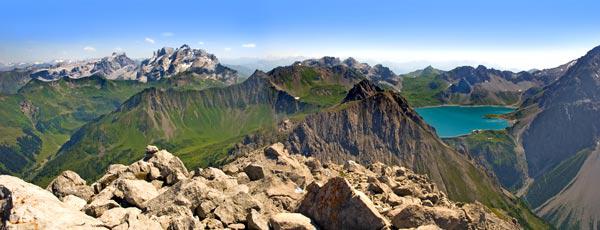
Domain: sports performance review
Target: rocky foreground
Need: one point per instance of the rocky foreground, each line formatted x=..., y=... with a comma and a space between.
x=264, y=189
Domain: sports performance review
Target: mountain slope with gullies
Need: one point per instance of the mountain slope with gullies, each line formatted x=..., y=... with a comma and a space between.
x=200, y=125
x=384, y=128
x=559, y=130
x=41, y=116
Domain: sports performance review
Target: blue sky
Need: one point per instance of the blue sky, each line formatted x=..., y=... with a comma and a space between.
x=506, y=34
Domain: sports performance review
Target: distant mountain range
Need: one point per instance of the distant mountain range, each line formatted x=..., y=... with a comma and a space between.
x=164, y=63
x=479, y=85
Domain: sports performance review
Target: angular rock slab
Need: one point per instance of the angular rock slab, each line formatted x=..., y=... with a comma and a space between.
x=337, y=204
x=291, y=221
x=27, y=206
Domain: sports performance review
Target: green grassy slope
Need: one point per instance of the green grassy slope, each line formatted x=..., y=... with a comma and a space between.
x=495, y=150
x=315, y=85
x=423, y=90
x=19, y=143
x=12, y=81
x=43, y=115
x=199, y=126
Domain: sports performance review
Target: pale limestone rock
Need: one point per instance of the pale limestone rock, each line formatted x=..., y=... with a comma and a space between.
x=291, y=221
x=116, y=216
x=97, y=207
x=27, y=206
x=74, y=202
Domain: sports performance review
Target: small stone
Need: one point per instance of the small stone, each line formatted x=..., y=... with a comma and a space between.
x=213, y=173
x=256, y=221
x=254, y=171
x=210, y=223
x=236, y=226
x=151, y=149
x=427, y=203
x=405, y=191
x=204, y=210
x=352, y=166
x=275, y=151
x=401, y=171
x=291, y=221
x=98, y=207
x=231, y=169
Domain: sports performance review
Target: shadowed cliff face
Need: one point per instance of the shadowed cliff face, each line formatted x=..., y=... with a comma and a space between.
x=362, y=90
x=559, y=142
x=568, y=121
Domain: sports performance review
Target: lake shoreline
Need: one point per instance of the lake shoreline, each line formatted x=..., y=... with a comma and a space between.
x=458, y=105
x=452, y=121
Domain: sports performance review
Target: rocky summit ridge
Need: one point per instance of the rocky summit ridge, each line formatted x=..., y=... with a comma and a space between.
x=264, y=189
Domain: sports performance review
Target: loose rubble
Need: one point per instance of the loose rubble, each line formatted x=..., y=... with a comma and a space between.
x=264, y=189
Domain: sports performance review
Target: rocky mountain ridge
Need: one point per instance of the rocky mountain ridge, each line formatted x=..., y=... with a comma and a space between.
x=116, y=66
x=377, y=73
x=165, y=62
x=467, y=85
x=168, y=61
x=265, y=189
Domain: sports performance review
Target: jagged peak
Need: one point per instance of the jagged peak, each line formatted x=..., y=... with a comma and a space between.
x=350, y=61
x=481, y=67
x=362, y=90
x=163, y=51
x=184, y=46
x=326, y=61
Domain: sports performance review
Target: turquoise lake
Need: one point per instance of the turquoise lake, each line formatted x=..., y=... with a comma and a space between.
x=452, y=121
